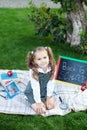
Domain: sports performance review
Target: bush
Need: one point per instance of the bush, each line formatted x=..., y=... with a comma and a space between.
x=49, y=23
x=83, y=46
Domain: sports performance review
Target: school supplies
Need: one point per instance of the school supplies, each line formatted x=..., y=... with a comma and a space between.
x=11, y=88
x=9, y=75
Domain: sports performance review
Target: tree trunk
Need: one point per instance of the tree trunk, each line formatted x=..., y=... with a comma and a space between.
x=78, y=24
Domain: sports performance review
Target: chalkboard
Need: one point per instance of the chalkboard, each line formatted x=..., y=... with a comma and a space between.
x=71, y=70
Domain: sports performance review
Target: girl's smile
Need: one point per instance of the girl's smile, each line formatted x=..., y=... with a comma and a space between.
x=42, y=59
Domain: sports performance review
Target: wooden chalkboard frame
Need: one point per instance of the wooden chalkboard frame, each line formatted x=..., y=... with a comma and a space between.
x=75, y=71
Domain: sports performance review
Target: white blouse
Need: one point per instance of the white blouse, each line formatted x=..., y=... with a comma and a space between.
x=36, y=86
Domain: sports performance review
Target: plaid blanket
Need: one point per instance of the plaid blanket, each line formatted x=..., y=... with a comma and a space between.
x=66, y=96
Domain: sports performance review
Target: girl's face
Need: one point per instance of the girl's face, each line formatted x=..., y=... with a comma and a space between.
x=42, y=59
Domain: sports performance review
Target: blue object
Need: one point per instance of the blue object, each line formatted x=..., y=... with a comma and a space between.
x=63, y=106
x=5, y=76
x=12, y=89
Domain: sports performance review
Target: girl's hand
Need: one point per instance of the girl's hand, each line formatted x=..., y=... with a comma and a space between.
x=39, y=107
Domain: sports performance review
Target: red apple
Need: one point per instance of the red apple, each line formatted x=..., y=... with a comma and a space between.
x=83, y=88
x=9, y=73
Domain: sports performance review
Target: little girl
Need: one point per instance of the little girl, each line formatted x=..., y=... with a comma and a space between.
x=41, y=85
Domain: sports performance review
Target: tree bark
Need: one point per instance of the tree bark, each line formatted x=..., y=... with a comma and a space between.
x=77, y=24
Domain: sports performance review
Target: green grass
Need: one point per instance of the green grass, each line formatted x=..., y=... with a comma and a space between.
x=16, y=39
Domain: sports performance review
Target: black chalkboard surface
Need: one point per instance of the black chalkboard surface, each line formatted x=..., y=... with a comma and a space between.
x=71, y=70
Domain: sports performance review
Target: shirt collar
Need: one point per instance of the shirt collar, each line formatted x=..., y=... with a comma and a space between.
x=48, y=70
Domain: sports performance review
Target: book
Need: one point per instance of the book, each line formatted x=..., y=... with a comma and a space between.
x=11, y=88
x=5, y=76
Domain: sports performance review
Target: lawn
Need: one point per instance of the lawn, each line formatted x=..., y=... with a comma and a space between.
x=17, y=37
